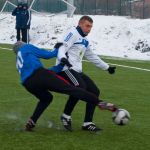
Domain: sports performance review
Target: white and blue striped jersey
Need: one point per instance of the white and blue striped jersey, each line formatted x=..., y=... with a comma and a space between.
x=75, y=47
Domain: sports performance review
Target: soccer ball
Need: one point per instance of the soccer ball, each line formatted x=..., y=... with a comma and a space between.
x=121, y=117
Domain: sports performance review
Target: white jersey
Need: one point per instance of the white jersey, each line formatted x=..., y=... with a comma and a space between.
x=74, y=48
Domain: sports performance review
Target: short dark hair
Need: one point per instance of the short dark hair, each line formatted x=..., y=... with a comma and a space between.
x=83, y=18
x=18, y=45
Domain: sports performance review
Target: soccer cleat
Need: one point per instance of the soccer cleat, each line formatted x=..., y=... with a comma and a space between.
x=91, y=127
x=107, y=106
x=30, y=125
x=66, y=123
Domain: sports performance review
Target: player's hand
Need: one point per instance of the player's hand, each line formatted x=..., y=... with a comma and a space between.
x=65, y=61
x=57, y=45
x=111, y=69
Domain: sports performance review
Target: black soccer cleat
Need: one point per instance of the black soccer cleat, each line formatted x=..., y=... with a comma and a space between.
x=92, y=128
x=29, y=125
x=66, y=123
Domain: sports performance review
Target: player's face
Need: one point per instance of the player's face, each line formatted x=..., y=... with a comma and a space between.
x=86, y=26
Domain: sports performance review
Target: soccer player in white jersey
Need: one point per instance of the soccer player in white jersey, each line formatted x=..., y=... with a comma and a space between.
x=75, y=47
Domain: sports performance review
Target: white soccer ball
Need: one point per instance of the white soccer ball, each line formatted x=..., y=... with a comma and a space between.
x=121, y=117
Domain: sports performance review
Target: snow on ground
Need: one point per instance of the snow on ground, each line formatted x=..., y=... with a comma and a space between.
x=110, y=35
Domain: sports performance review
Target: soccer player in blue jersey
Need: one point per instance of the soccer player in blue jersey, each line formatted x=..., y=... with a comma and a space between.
x=40, y=81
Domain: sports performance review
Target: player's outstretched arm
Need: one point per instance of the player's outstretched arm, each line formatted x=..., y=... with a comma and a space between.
x=42, y=53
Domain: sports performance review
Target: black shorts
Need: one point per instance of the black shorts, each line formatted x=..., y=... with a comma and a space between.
x=43, y=81
x=80, y=80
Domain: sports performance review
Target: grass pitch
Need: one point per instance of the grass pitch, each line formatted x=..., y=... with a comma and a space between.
x=128, y=88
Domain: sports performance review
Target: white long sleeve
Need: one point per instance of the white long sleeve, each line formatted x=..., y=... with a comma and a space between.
x=92, y=57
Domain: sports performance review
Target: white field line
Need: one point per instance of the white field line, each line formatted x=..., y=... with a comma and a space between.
x=137, y=68
x=5, y=48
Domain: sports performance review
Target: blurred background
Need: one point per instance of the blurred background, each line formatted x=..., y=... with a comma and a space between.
x=133, y=8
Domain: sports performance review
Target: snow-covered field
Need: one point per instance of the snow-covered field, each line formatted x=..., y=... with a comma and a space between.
x=110, y=35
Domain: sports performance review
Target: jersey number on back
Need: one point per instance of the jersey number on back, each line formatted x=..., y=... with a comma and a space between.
x=19, y=63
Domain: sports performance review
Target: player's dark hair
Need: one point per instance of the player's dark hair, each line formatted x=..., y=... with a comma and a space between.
x=18, y=45
x=83, y=18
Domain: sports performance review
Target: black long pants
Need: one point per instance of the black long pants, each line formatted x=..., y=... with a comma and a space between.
x=83, y=81
x=42, y=81
x=24, y=33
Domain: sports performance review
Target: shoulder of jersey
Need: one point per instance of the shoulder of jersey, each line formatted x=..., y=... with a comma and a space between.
x=71, y=34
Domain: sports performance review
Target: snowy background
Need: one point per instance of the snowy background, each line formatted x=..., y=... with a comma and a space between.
x=110, y=36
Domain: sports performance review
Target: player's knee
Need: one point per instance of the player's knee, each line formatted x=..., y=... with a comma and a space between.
x=46, y=98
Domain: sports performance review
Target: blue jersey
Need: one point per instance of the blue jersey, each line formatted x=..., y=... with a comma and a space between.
x=28, y=61
x=58, y=68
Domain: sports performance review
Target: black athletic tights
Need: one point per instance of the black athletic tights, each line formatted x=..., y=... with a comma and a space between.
x=42, y=81
x=83, y=81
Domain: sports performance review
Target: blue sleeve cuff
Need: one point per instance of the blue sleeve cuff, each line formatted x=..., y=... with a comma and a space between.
x=57, y=68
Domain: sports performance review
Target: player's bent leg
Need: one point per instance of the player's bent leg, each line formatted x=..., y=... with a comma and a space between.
x=53, y=83
x=45, y=98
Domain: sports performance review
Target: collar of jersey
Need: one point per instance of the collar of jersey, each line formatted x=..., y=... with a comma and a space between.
x=80, y=31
